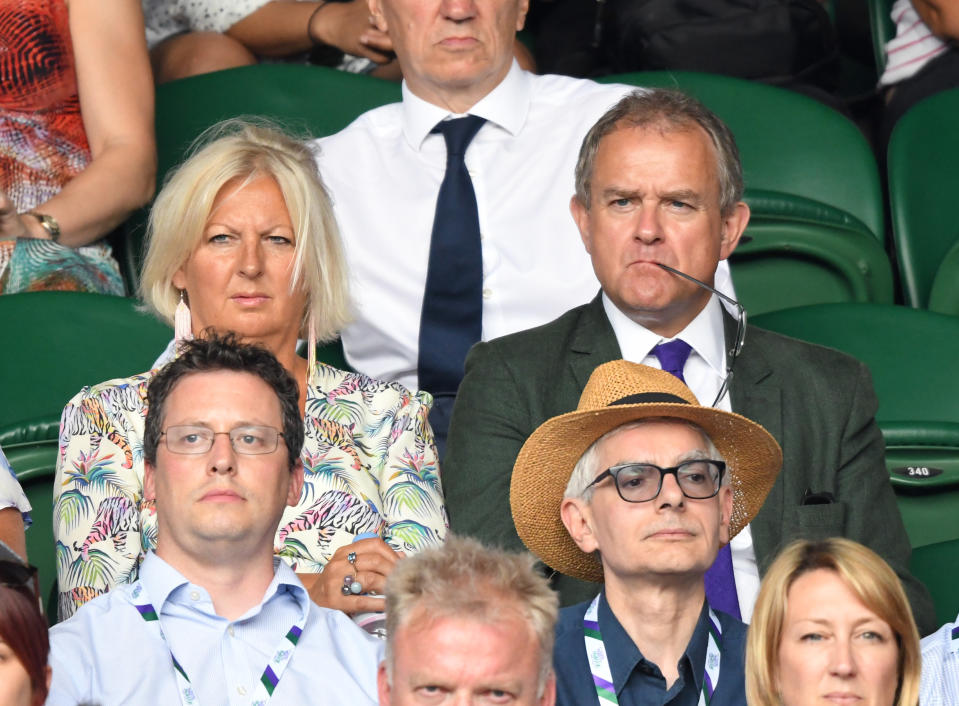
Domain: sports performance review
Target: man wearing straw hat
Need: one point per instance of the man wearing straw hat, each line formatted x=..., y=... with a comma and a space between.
x=638, y=488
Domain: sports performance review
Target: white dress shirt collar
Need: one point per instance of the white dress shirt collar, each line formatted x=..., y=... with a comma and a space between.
x=506, y=106
x=163, y=583
x=705, y=334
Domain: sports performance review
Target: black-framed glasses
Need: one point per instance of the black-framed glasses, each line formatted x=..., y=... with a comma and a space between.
x=197, y=439
x=698, y=479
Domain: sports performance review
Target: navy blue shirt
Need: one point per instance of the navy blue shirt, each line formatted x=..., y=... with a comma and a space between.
x=637, y=680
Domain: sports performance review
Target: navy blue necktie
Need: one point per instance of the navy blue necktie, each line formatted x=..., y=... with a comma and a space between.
x=452, y=316
x=720, y=580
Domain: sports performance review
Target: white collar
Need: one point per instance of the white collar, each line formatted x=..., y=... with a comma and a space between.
x=705, y=334
x=506, y=106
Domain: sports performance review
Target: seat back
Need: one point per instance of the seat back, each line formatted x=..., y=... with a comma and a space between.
x=309, y=101
x=911, y=354
x=784, y=263
x=60, y=341
x=937, y=566
x=31, y=449
x=790, y=144
x=923, y=183
x=882, y=29
x=944, y=296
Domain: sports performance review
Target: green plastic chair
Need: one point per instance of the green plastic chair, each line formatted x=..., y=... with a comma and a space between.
x=31, y=448
x=307, y=100
x=786, y=262
x=58, y=342
x=923, y=183
x=791, y=145
x=944, y=296
x=882, y=30
x=911, y=354
x=937, y=566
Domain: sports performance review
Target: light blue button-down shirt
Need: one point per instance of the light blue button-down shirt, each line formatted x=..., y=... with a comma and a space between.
x=107, y=654
x=940, y=667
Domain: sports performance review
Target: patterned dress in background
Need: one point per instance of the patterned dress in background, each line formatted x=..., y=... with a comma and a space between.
x=369, y=461
x=42, y=147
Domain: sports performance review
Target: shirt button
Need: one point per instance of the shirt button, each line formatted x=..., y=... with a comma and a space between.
x=487, y=293
x=241, y=690
x=230, y=630
x=194, y=595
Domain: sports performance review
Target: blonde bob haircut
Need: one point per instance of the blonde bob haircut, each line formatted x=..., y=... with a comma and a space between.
x=245, y=148
x=866, y=575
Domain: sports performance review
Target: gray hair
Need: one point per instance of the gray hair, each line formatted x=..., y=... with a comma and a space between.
x=463, y=578
x=245, y=149
x=586, y=469
x=665, y=110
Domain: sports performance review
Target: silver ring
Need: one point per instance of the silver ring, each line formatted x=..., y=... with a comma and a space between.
x=351, y=557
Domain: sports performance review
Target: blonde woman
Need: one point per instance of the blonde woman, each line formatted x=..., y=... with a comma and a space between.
x=832, y=625
x=242, y=239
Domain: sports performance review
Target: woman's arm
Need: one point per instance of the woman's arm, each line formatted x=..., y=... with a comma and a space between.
x=940, y=16
x=115, y=87
x=282, y=27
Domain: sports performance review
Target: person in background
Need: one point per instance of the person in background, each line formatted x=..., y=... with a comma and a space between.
x=921, y=60
x=241, y=239
x=14, y=509
x=24, y=645
x=189, y=37
x=471, y=236
x=832, y=625
x=466, y=625
x=77, y=150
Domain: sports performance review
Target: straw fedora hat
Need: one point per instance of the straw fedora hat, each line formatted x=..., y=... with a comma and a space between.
x=619, y=392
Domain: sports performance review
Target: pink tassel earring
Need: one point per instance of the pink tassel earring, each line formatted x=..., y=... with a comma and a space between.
x=182, y=325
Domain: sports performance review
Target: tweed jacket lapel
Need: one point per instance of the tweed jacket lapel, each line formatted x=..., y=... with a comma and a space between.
x=756, y=395
x=592, y=343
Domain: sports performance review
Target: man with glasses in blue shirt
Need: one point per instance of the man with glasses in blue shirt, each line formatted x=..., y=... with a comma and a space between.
x=213, y=617
x=639, y=487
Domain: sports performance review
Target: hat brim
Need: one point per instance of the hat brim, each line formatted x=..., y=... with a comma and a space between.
x=545, y=463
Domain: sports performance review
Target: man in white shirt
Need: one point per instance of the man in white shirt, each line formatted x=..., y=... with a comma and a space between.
x=386, y=169
x=659, y=182
x=213, y=617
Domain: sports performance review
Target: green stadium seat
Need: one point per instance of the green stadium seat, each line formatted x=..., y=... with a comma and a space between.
x=785, y=262
x=791, y=145
x=309, y=101
x=60, y=341
x=880, y=22
x=923, y=152
x=31, y=449
x=911, y=354
x=937, y=566
x=944, y=296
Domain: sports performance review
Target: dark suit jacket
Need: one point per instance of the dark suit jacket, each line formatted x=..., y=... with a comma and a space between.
x=818, y=403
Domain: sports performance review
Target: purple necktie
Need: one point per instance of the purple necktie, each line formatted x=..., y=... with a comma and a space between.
x=720, y=581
